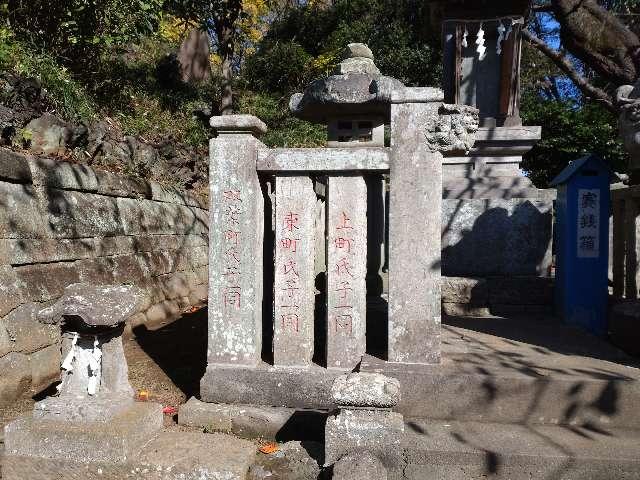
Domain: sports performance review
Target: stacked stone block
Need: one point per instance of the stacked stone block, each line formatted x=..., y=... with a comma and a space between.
x=64, y=223
x=365, y=422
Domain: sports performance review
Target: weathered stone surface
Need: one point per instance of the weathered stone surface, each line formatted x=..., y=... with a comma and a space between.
x=294, y=290
x=66, y=408
x=6, y=344
x=49, y=134
x=45, y=367
x=62, y=175
x=167, y=456
x=366, y=390
x=44, y=250
x=485, y=238
x=95, y=306
x=14, y=167
x=378, y=432
x=352, y=90
x=74, y=214
x=110, y=378
x=356, y=65
x=26, y=333
x=235, y=267
x=238, y=123
x=414, y=237
x=354, y=50
x=346, y=271
x=323, y=159
x=141, y=217
x=20, y=215
x=11, y=289
x=359, y=465
x=112, y=184
x=249, y=421
x=162, y=313
x=465, y=310
x=115, y=441
x=42, y=282
x=16, y=376
x=463, y=290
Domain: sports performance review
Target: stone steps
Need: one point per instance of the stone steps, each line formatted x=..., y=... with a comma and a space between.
x=524, y=371
x=473, y=450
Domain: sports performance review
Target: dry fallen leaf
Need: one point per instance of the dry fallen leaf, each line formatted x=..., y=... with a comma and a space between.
x=269, y=448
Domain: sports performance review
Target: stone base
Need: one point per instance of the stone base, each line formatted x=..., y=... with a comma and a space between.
x=168, y=456
x=378, y=432
x=66, y=408
x=251, y=421
x=491, y=369
x=115, y=441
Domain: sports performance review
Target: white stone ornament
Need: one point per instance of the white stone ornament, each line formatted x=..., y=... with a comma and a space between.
x=465, y=43
x=67, y=364
x=482, y=50
x=501, y=37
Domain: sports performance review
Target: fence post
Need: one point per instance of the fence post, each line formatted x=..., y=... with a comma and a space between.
x=618, y=246
x=631, y=212
x=236, y=225
x=421, y=128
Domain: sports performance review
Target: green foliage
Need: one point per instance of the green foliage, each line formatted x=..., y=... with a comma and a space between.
x=308, y=42
x=569, y=131
x=77, y=32
x=66, y=94
x=142, y=91
x=284, y=129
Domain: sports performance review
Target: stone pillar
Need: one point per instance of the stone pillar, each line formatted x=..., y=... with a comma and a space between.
x=294, y=290
x=236, y=223
x=419, y=133
x=346, y=271
x=632, y=225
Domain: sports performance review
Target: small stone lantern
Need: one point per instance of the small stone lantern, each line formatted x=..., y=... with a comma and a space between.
x=94, y=370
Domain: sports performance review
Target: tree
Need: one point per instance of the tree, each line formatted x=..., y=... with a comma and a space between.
x=78, y=32
x=230, y=23
x=594, y=34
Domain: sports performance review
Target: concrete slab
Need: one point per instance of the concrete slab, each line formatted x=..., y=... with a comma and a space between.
x=469, y=450
x=248, y=421
x=115, y=441
x=168, y=456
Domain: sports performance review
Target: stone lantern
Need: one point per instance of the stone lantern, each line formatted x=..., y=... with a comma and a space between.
x=354, y=114
x=350, y=104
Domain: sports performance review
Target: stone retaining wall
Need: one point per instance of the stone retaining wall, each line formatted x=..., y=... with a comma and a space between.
x=62, y=223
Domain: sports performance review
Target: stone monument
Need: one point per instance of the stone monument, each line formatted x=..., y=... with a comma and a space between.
x=311, y=347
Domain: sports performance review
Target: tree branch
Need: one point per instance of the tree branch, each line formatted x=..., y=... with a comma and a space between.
x=564, y=64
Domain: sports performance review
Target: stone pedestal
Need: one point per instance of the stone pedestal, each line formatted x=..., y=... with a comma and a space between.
x=235, y=242
x=365, y=421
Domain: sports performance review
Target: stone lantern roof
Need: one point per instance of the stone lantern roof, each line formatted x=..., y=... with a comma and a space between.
x=356, y=88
